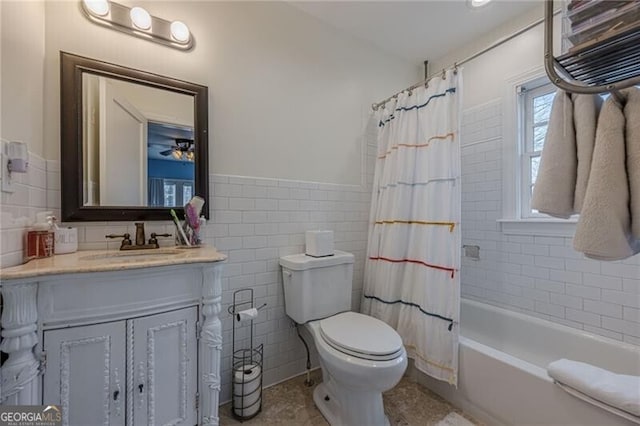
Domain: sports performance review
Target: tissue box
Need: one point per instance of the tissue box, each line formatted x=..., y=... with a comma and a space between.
x=319, y=243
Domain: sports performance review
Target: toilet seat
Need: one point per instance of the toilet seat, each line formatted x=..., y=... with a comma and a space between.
x=361, y=336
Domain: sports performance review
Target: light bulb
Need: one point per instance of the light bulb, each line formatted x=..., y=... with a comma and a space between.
x=97, y=7
x=140, y=18
x=177, y=154
x=478, y=3
x=180, y=31
x=191, y=155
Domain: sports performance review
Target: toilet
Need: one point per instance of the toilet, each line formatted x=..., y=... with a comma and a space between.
x=360, y=356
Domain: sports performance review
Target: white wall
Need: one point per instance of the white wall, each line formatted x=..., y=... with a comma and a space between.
x=156, y=104
x=537, y=273
x=22, y=38
x=484, y=77
x=21, y=117
x=287, y=93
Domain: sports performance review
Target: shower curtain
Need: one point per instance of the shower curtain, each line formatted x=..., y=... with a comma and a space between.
x=412, y=278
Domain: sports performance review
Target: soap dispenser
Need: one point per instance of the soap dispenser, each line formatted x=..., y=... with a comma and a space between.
x=40, y=239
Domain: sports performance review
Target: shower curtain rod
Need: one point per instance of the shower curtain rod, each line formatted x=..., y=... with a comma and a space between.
x=455, y=65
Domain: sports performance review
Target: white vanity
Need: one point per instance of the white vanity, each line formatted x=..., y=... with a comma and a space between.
x=115, y=338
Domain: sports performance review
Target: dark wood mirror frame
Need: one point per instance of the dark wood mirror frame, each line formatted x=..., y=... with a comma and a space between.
x=71, y=130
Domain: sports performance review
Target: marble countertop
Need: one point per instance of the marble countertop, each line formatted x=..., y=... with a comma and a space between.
x=111, y=260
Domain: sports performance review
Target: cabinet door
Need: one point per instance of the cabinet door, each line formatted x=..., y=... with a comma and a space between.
x=85, y=373
x=164, y=365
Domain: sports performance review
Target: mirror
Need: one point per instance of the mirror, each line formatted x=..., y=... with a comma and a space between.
x=133, y=143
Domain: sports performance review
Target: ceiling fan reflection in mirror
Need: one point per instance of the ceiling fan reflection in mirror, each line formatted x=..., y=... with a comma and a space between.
x=182, y=150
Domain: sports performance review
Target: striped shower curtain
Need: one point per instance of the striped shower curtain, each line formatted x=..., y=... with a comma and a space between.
x=412, y=278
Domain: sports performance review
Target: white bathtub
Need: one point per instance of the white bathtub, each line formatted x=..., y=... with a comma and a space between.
x=503, y=378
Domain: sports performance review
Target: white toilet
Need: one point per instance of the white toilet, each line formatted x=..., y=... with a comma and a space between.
x=360, y=356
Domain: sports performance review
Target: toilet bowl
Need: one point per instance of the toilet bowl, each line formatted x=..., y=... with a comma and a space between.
x=360, y=357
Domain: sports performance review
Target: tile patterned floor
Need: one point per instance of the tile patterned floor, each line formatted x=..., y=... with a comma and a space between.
x=291, y=403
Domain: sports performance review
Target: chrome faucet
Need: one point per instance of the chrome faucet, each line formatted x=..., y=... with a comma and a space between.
x=140, y=239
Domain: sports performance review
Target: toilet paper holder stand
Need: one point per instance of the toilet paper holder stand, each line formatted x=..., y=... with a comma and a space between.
x=247, y=362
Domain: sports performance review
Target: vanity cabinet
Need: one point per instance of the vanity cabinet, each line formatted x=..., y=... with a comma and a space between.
x=85, y=373
x=115, y=341
x=139, y=371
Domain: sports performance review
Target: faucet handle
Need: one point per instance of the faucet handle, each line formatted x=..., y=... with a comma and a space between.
x=126, y=236
x=126, y=239
x=154, y=240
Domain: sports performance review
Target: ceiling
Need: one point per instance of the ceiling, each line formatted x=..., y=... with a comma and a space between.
x=415, y=30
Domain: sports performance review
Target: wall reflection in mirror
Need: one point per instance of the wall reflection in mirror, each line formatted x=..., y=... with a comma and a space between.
x=138, y=144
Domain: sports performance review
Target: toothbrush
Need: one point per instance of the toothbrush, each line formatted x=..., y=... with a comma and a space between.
x=197, y=203
x=177, y=222
x=191, y=217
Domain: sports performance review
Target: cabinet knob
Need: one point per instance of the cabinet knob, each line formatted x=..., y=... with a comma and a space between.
x=115, y=395
x=141, y=387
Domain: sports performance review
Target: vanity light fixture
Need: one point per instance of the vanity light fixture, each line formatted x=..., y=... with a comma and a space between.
x=138, y=22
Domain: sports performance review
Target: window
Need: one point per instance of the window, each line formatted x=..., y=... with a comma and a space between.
x=187, y=190
x=535, y=101
x=527, y=106
x=175, y=192
x=169, y=195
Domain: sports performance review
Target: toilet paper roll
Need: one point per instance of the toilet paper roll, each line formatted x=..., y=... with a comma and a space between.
x=247, y=314
x=246, y=393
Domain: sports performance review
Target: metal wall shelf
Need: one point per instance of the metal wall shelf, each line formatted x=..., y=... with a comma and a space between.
x=602, y=66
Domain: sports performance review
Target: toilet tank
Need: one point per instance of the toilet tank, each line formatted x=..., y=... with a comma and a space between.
x=316, y=287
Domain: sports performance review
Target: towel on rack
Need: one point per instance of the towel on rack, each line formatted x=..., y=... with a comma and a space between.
x=632, y=134
x=566, y=158
x=604, y=226
x=617, y=390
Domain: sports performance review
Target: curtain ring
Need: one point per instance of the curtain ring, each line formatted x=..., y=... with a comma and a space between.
x=455, y=68
x=410, y=92
x=444, y=74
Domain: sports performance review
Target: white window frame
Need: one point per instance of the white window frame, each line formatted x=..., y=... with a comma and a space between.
x=513, y=222
x=527, y=92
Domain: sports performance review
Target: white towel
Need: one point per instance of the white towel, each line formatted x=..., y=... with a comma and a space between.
x=632, y=134
x=604, y=226
x=617, y=390
x=566, y=157
x=585, y=119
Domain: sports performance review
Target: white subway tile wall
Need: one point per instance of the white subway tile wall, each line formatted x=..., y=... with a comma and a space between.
x=255, y=221
x=18, y=209
x=537, y=275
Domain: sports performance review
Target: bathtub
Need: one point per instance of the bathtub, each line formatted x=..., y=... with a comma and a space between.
x=502, y=373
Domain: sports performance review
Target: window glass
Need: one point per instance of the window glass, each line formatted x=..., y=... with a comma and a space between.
x=535, y=109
